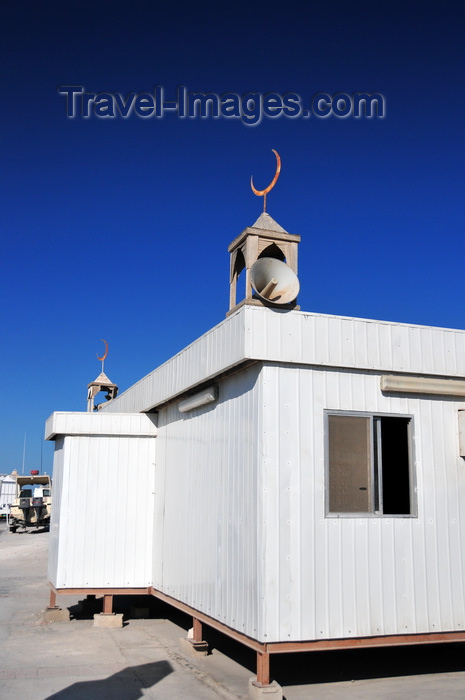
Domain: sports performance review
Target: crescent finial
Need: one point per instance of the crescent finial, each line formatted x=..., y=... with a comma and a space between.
x=263, y=193
x=105, y=353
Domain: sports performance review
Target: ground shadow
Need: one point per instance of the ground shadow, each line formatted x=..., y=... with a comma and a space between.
x=127, y=684
x=39, y=530
x=145, y=606
x=26, y=531
x=361, y=664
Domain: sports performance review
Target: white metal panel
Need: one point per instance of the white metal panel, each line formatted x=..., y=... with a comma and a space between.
x=350, y=342
x=57, y=515
x=206, y=517
x=303, y=338
x=329, y=577
x=80, y=423
x=102, y=512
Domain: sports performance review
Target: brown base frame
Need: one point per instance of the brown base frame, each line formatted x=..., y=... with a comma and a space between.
x=263, y=649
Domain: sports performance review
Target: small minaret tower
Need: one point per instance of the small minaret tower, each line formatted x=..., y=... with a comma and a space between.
x=272, y=253
x=102, y=383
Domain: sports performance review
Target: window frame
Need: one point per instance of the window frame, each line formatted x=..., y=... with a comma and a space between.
x=376, y=469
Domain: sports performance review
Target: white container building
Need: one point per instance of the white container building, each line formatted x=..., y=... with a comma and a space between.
x=296, y=480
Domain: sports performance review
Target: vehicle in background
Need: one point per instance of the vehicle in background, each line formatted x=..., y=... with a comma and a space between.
x=33, y=502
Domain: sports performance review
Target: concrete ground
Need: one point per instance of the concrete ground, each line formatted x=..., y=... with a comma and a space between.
x=75, y=660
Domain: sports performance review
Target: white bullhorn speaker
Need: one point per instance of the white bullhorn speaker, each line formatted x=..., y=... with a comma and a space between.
x=274, y=281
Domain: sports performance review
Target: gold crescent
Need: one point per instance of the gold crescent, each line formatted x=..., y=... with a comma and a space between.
x=106, y=350
x=262, y=193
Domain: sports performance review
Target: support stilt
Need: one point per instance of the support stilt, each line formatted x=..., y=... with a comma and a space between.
x=262, y=687
x=107, y=618
x=52, y=612
x=263, y=668
x=196, y=630
x=193, y=643
x=107, y=604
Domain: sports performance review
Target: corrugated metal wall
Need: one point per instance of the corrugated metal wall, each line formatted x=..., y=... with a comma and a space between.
x=336, y=341
x=305, y=338
x=329, y=577
x=103, y=504
x=206, y=521
x=57, y=513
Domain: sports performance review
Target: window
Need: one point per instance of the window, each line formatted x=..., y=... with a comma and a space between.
x=369, y=464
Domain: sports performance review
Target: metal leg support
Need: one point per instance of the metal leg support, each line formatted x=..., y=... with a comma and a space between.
x=263, y=668
x=197, y=630
x=262, y=687
x=199, y=644
x=107, y=605
x=52, y=612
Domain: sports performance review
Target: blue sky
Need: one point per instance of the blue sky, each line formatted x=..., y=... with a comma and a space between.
x=119, y=228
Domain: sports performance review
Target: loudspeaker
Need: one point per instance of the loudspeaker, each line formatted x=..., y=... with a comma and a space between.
x=274, y=281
